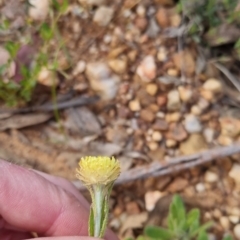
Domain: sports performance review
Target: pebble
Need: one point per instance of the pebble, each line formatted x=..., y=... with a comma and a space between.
x=147, y=115
x=147, y=70
x=225, y=140
x=163, y=18
x=160, y=124
x=141, y=23
x=196, y=110
x=153, y=146
x=230, y=126
x=47, y=77
x=203, y=103
x=134, y=105
x=208, y=134
x=192, y=124
x=80, y=67
x=151, y=199
x=157, y=136
x=162, y=54
x=173, y=117
x=153, y=29
x=115, y=223
x=174, y=102
x=177, y=185
x=235, y=172
x=103, y=15
x=200, y=187
x=213, y=85
x=236, y=231
x=234, y=219
x=152, y=89
x=170, y=143
x=185, y=94
x=102, y=80
x=177, y=132
x=211, y=177
x=141, y=10
x=172, y=72
x=162, y=100
x=195, y=143
x=38, y=10
x=118, y=65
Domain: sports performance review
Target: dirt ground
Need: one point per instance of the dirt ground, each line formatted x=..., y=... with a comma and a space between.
x=139, y=91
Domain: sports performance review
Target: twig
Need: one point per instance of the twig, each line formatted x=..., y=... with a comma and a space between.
x=173, y=165
x=48, y=107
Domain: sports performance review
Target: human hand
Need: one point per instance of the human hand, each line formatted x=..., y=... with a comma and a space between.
x=31, y=201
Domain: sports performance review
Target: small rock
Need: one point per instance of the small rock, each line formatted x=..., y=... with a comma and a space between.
x=170, y=143
x=184, y=61
x=224, y=222
x=134, y=105
x=235, y=172
x=141, y=10
x=225, y=140
x=172, y=72
x=208, y=134
x=115, y=223
x=195, y=143
x=177, y=132
x=211, y=177
x=185, y=93
x=38, y=10
x=177, y=185
x=203, y=103
x=132, y=208
x=47, y=77
x=162, y=54
x=236, y=231
x=157, y=136
x=196, y=110
x=102, y=80
x=153, y=29
x=173, y=100
x=151, y=199
x=147, y=115
x=200, y=187
x=173, y=117
x=157, y=155
x=165, y=2
x=192, y=124
x=213, y=85
x=147, y=69
x=230, y=126
x=152, y=89
x=160, y=125
x=141, y=23
x=161, y=101
x=234, y=219
x=118, y=65
x=153, y=146
x=103, y=15
x=80, y=67
x=163, y=18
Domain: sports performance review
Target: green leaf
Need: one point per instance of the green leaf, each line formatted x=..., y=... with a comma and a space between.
x=177, y=215
x=158, y=233
x=192, y=221
x=104, y=220
x=202, y=228
x=202, y=236
x=91, y=223
x=64, y=6
x=56, y=5
x=227, y=238
x=141, y=238
x=12, y=48
x=46, y=32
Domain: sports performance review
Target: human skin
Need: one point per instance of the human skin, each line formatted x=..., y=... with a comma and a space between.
x=32, y=201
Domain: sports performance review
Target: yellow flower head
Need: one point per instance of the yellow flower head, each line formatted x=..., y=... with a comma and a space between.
x=98, y=170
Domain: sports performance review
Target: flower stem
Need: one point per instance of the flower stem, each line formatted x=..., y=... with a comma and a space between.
x=98, y=195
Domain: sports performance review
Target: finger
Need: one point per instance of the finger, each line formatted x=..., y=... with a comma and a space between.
x=12, y=235
x=28, y=201
x=68, y=186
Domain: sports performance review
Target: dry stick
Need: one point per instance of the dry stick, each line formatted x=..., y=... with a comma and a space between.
x=173, y=165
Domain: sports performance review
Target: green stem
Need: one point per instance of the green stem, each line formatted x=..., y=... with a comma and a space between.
x=98, y=196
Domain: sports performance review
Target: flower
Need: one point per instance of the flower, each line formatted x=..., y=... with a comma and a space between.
x=98, y=170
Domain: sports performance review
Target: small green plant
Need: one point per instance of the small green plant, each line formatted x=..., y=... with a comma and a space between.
x=181, y=225
x=13, y=91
